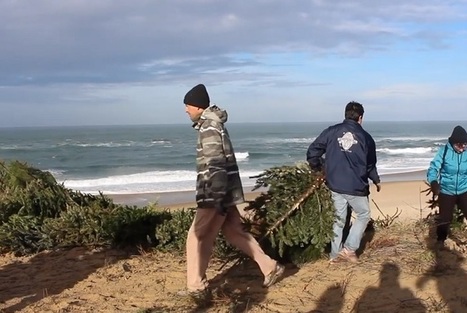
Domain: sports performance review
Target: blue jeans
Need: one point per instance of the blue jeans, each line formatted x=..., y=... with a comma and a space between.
x=361, y=207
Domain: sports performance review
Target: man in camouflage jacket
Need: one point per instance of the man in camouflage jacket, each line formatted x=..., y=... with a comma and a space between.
x=218, y=183
x=218, y=191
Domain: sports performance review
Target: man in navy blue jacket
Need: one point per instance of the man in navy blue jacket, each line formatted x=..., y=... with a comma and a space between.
x=350, y=161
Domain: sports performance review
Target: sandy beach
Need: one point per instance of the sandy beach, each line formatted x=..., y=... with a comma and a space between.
x=166, y=199
x=405, y=197
x=398, y=272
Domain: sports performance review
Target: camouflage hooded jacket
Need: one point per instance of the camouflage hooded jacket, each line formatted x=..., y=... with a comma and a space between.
x=218, y=183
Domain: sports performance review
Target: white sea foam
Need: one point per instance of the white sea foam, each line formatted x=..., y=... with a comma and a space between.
x=304, y=140
x=416, y=138
x=11, y=147
x=139, y=178
x=383, y=170
x=396, y=165
x=72, y=143
x=155, y=181
x=242, y=156
x=161, y=141
x=114, y=144
x=417, y=150
x=56, y=173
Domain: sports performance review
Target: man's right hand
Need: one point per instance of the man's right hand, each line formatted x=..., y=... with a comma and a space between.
x=320, y=174
x=378, y=187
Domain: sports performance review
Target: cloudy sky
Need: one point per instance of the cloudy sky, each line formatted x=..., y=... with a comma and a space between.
x=88, y=62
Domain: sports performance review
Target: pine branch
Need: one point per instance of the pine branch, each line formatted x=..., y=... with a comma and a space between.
x=318, y=182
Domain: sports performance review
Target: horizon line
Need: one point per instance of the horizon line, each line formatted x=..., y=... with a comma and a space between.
x=262, y=122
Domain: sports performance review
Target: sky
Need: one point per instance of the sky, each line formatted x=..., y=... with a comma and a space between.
x=120, y=62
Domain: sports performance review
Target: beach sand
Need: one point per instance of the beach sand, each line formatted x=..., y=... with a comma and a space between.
x=166, y=199
x=398, y=272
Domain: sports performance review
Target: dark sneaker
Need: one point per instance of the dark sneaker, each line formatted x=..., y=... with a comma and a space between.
x=274, y=276
x=348, y=255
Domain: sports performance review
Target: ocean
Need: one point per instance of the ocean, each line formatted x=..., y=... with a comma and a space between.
x=160, y=158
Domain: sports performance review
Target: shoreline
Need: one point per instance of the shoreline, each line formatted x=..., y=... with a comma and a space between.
x=400, y=192
x=168, y=199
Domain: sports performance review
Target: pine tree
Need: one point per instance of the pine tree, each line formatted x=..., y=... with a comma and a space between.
x=294, y=217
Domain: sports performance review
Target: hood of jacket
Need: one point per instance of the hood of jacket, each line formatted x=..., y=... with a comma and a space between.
x=213, y=113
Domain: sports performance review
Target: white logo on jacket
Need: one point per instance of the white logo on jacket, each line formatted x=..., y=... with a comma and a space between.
x=347, y=141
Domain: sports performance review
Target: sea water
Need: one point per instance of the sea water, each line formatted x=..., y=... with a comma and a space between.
x=161, y=158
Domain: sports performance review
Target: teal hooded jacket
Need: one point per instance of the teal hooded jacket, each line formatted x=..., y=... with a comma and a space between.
x=449, y=169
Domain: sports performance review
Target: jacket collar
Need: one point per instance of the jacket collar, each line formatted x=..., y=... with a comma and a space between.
x=349, y=121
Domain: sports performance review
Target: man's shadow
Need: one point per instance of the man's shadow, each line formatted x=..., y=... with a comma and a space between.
x=240, y=287
x=331, y=301
x=448, y=274
x=389, y=296
x=49, y=273
x=243, y=285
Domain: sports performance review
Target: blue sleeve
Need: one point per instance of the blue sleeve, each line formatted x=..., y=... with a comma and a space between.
x=316, y=150
x=435, y=166
x=371, y=161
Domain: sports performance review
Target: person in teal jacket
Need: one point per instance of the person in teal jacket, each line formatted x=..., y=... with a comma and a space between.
x=447, y=176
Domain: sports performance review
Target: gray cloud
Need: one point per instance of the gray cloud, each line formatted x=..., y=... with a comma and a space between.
x=99, y=42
